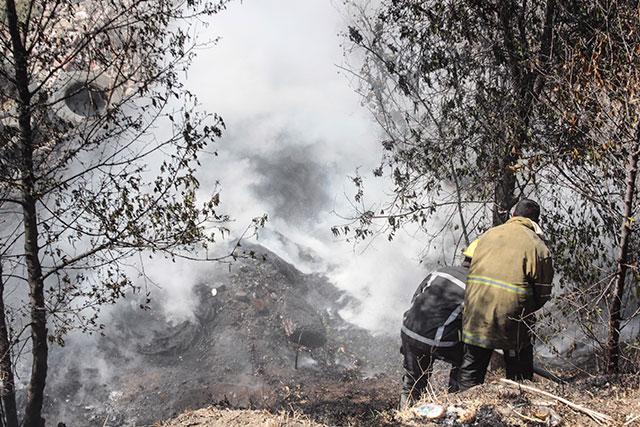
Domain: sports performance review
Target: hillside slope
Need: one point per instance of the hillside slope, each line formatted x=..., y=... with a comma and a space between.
x=263, y=335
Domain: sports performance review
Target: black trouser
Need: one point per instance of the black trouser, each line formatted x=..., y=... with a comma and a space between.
x=518, y=364
x=418, y=365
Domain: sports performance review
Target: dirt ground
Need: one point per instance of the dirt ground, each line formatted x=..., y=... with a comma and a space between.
x=371, y=402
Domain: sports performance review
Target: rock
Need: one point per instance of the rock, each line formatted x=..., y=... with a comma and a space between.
x=467, y=416
x=550, y=417
x=261, y=306
x=461, y=415
x=241, y=296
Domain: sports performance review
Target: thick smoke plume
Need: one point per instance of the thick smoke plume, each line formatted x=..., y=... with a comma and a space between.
x=292, y=182
x=296, y=132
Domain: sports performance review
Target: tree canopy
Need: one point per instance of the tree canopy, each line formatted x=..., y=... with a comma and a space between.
x=483, y=103
x=99, y=147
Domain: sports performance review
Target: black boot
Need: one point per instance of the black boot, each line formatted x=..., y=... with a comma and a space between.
x=405, y=401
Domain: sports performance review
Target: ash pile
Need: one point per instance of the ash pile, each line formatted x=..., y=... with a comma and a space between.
x=258, y=332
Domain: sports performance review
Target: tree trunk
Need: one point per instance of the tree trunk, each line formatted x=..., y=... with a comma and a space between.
x=39, y=350
x=528, y=83
x=8, y=391
x=504, y=190
x=622, y=261
x=463, y=222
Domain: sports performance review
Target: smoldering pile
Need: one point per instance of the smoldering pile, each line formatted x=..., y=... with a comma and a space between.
x=257, y=331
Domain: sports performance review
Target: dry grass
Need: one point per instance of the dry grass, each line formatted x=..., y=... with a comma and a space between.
x=492, y=404
x=216, y=417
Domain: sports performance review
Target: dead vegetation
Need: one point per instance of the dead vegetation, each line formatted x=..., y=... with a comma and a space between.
x=216, y=417
x=495, y=403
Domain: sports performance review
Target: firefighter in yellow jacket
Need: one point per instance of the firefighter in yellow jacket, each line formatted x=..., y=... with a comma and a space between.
x=509, y=279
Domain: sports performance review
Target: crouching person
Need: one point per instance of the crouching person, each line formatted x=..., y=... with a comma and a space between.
x=431, y=328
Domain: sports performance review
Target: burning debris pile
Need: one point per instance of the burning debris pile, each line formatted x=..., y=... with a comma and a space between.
x=261, y=335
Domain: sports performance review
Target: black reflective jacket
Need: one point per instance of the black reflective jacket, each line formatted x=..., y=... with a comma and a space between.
x=435, y=316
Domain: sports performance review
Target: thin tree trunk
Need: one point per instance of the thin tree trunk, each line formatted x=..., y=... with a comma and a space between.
x=463, y=222
x=8, y=392
x=528, y=83
x=504, y=190
x=39, y=351
x=615, y=311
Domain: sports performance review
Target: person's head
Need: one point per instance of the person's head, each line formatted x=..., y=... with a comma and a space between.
x=528, y=209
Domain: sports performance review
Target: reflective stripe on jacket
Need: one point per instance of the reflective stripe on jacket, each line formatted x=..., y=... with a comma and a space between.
x=435, y=316
x=509, y=278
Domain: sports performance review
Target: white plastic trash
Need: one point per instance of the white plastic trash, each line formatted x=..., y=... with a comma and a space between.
x=431, y=411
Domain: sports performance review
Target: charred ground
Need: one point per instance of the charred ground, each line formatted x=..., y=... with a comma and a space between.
x=237, y=355
x=240, y=349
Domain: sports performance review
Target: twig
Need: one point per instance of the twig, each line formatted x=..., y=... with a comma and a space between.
x=535, y=420
x=598, y=417
x=295, y=366
x=630, y=420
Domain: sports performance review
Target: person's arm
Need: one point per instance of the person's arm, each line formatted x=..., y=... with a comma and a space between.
x=423, y=285
x=543, y=281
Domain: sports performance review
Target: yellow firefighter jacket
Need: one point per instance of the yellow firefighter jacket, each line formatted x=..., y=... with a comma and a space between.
x=510, y=278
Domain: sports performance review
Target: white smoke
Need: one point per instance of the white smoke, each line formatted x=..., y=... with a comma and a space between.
x=296, y=131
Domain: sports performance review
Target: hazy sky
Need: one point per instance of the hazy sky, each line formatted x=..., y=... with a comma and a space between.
x=295, y=132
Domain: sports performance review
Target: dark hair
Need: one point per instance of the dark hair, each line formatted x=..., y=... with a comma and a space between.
x=528, y=209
